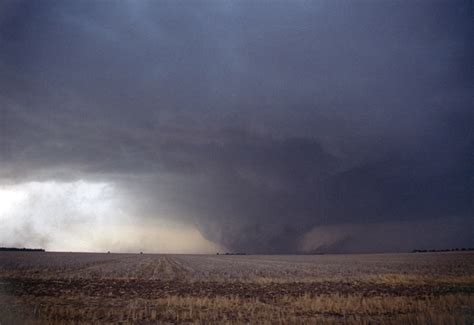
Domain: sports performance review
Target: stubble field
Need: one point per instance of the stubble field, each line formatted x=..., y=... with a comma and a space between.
x=63, y=288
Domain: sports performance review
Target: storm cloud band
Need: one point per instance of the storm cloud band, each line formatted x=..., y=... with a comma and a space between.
x=253, y=122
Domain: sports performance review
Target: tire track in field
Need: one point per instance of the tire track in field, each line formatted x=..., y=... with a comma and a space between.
x=168, y=268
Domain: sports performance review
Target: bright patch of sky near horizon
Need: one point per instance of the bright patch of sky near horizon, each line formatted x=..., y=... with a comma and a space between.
x=86, y=216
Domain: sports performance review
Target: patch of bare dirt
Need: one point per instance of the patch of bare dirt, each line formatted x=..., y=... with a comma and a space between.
x=149, y=289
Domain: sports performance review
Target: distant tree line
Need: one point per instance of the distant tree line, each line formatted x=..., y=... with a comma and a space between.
x=15, y=249
x=231, y=254
x=442, y=250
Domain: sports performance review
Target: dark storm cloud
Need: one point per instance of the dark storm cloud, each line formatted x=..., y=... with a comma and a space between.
x=253, y=121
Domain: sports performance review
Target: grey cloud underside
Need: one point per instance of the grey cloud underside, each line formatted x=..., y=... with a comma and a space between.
x=253, y=122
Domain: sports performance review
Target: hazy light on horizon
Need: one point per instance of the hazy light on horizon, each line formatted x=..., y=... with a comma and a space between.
x=84, y=216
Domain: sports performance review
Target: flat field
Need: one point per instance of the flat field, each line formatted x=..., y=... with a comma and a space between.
x=83, y=288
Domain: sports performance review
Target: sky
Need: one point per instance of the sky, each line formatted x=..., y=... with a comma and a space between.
x=241, y=126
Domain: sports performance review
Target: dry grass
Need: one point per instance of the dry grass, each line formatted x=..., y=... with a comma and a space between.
x=408, y=279
x=448, y=309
